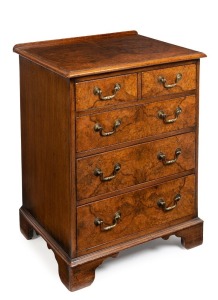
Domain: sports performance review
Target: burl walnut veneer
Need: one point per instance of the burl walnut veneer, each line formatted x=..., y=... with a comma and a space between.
x=109, y=128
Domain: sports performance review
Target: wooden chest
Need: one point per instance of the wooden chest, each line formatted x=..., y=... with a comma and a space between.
x=109, y=129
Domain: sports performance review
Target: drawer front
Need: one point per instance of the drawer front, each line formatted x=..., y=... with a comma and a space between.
x=100, y=174
x=167, y=81
x=122, y=125
x=136, y=211
x=119, y=89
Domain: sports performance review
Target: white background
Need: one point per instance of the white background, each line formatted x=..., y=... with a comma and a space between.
x=159, y=269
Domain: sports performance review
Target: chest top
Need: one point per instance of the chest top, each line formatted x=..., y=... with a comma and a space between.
x=74, y=57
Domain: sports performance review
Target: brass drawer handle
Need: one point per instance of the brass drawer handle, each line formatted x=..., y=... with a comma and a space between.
x=163, y=80
x=161, y=156
x=98, y=128
x=98, y=91
x=100, y=222
x=98, y=172
x=163, y=116
x=162, y=204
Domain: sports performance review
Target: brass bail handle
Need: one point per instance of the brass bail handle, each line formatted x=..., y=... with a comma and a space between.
x=99, y=128
x=162, y=204
x=98, y=172
x=100, y=222
x=98, y=91
x=163, y=80
x=162, y=156
x=162, y=115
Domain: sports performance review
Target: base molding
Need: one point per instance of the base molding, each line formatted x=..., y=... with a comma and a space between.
x=79, y=272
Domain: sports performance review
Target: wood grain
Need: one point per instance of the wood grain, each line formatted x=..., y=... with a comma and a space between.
x=139, y=211
x=135, y=70
x=77, y=277
x=25, y=227
x=192, y=236
x=60, y=149
x=137, y=123
x=109, y=53
x=138, y=164
x=46, y=166
x=151, y=87
x=86, y=99
x=80, y=271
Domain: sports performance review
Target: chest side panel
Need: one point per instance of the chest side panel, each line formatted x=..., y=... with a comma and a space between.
x=45, y=130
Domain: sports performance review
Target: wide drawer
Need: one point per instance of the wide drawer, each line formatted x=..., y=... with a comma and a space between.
x=168, y=81
x=114, y=170
x=106, y=91
x=145, y=210
x=128, y=124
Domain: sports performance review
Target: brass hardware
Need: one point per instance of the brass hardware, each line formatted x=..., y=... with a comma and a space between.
x=100, y=222
x=98, y=91
x=100, y=129
x=98, y=172
x=163, y=116
x=162, y=204
x=163, y=80
x=161, y=156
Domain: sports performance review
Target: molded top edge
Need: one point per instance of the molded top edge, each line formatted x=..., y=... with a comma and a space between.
x=96, y=54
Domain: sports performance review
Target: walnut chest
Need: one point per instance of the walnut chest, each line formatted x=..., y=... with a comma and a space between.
x=109, y=127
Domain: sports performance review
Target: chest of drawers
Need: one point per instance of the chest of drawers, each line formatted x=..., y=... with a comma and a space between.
x=109, y=129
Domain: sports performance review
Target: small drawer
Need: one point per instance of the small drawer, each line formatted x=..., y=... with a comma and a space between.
x=168, y=81
x=129, y=124
x=114, y=170
x=106, y=91
x=146, y=210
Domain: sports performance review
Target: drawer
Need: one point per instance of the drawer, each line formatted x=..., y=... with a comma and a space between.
x=114, y=170
x=139, y=211
x=168, y=81
x=123, y=125
x=117, y=89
